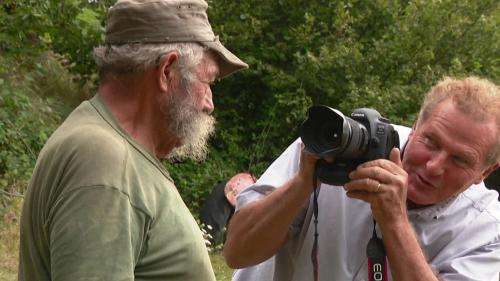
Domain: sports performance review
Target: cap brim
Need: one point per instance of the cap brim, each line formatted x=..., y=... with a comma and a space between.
x=228, y=63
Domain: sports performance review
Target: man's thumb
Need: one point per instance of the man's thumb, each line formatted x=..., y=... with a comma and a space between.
x=395, y=156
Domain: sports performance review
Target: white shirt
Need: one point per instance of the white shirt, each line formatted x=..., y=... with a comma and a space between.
x=460, y=237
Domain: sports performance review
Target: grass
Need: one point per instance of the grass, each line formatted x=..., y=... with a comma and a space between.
x=10, y=210
x=222, y=271
x=9, y=237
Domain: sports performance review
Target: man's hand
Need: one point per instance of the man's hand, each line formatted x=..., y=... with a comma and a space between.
x=305, y=174
x=382, y=183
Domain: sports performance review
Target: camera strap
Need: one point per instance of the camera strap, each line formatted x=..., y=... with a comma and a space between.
x=314, y=251
x=377, y=261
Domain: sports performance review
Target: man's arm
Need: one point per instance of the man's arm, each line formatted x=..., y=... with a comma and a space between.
x=258, y=230
x=388, y=203
x=95, y=234
x=406, y=258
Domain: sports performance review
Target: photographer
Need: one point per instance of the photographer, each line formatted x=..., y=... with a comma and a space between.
x=436, y=218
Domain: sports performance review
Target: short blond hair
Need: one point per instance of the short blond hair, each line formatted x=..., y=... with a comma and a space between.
x=476, y=97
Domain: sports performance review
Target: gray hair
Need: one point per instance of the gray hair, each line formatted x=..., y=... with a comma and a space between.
x=476, y=97
x=136, y=58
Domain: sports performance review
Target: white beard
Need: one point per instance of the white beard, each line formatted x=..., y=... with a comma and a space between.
x=192, y=127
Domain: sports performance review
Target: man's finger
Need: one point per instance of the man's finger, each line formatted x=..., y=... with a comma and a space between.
x=376, y=173
x=361, y=195
x=365, y=184
x=395, y=157
x=384, y=163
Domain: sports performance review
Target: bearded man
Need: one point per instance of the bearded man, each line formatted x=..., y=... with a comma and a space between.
x=100, y=205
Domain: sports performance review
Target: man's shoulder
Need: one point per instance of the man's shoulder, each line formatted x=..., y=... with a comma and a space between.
x=87, y=141
x=482, y=199
x=84, y=150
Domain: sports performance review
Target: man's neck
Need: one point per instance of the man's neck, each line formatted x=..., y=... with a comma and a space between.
x=136, y=110
x=410, y=205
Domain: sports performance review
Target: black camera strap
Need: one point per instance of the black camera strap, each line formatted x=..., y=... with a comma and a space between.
x=377, y=261
x=314, y=251
x=375, y=251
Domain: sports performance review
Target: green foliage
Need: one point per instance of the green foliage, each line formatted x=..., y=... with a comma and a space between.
x=195, y=180
x=71, y=27
x=345, y=54
x=25, y=124
x=32, y=105
x=51, y=78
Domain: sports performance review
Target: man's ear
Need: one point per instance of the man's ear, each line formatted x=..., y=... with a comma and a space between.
x=487, y=172
x=165, y=69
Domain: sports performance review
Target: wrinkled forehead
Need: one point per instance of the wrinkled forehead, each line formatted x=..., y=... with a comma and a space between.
x=447, y=120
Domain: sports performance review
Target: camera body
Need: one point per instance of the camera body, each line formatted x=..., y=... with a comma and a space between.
x=365, y=136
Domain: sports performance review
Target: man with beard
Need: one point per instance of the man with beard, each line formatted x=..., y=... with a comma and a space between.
x=100, y=205
x=435, y=216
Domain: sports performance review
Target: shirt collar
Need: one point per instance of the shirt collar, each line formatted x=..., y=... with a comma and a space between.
x=435, y=211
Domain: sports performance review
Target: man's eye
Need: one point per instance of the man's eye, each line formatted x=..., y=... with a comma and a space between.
x=460, y=161
x=429, y=142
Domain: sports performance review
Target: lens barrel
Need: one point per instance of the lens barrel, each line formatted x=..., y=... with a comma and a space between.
x=327, y=132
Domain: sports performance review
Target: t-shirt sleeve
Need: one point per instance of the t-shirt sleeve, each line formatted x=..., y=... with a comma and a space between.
x=481, y=264
x=278, y=173
x=95, y=234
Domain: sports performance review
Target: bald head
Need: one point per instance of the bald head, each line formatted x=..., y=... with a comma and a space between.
x=236, y=184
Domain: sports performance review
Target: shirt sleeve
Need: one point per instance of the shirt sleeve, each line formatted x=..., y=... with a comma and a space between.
x=278, y=173
x=95, y=234
x=482, y=264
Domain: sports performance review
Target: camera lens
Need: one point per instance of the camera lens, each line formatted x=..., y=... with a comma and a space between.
x=331, y=136
x=357, y=142
x=327, y=132
x=330, y=131
x=351, y=141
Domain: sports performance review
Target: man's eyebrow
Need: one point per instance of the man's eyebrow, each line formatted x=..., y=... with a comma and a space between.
x=468, y=156
x=432, y=135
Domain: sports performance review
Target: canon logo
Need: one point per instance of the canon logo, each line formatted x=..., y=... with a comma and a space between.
x=377, y=272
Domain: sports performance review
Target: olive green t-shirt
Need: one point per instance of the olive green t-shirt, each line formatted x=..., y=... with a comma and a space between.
x=101, y=207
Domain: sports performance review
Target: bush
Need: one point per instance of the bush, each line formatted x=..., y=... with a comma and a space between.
x=32, y=105
x=25, y=124
x=72, y=28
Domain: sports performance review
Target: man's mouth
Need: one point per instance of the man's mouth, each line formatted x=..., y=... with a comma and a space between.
x=424, y=181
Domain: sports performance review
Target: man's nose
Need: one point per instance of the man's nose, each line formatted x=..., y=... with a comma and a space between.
x=208, y=102
x=437, y=163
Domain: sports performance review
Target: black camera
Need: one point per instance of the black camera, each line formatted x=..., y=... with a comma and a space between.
x=350, y=141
